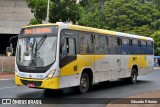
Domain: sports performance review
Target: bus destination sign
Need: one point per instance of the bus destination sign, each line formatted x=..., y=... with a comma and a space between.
x=37, y=30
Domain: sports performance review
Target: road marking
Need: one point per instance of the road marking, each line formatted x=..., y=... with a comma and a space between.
x=7, y=87
x=6, y=79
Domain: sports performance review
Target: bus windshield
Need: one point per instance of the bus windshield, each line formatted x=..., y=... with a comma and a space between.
x=36, y=51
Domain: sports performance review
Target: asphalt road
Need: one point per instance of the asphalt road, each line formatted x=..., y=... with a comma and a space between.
x=113, y=89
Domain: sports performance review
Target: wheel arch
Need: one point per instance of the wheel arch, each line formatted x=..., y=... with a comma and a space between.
x=89, y=71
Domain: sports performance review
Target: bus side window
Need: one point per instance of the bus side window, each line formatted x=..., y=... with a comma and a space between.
x=149, y=47
x=113, y=45
x=134, y=46
x=69, y=47
x=125, y=46
x=64, y=49
x=85, y=43
x=143, y=47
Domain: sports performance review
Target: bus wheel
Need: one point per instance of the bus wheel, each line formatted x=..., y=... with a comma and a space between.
x=84, y=83
x=133, y=78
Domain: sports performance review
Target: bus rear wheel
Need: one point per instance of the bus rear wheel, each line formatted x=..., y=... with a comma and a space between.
x=84, y=83
x=133, y=78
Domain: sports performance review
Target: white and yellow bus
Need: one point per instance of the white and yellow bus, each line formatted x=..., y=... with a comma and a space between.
x=61, y=55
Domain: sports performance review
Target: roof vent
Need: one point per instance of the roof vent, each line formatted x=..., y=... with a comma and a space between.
x=63, y=22
x=59, y=23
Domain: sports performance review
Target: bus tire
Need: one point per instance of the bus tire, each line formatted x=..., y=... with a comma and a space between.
x=84, y=83
x=133, y=78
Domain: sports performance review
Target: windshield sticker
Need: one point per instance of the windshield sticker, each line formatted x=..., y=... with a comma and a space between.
x=27, y=58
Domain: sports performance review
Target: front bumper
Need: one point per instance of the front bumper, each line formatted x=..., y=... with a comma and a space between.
x=52, y=83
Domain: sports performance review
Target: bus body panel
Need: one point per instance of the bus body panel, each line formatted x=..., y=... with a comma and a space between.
x=146, y=64
x=115, y=66
x=125, y=70
x=99, y=71
x=71, y=73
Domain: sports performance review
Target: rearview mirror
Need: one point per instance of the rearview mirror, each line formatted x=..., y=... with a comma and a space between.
x=9, y=50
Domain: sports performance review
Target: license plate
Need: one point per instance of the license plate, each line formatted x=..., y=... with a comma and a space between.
x=30, y=85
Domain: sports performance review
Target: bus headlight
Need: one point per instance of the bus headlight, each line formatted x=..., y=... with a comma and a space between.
x=51, y=74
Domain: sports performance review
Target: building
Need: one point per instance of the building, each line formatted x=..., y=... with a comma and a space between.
x=13, y=15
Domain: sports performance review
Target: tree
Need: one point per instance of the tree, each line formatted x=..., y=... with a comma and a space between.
x=156, y=37
x=92, y=14
x=157, y=2
x=130, y=16
x=39, y=8
x=84, y=2
x=156, y=22
x=60, y=10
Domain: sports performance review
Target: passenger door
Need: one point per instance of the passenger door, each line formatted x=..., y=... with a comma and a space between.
x=68, y=52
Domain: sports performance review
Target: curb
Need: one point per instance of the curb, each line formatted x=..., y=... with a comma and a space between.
x=6, y=79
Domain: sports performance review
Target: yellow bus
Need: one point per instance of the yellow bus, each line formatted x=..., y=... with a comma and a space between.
x=61, y=55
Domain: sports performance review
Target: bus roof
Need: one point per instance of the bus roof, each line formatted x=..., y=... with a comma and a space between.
x=95, y=30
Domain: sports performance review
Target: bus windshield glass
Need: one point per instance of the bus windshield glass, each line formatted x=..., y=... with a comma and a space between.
x=36, y=49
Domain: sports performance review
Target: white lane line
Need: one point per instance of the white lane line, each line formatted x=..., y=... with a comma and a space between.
x=6, y=79
x=7, y=87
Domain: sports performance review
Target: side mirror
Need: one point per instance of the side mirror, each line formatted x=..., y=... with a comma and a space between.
x=9, y=50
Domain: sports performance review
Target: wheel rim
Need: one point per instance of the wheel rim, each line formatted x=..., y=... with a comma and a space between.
x=84, y=82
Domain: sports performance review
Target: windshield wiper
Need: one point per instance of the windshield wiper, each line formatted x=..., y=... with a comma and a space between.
x=41, y=41
x=39, y=44
x=37, y=47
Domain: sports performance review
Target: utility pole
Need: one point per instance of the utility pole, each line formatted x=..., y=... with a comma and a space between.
x=47, y=20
